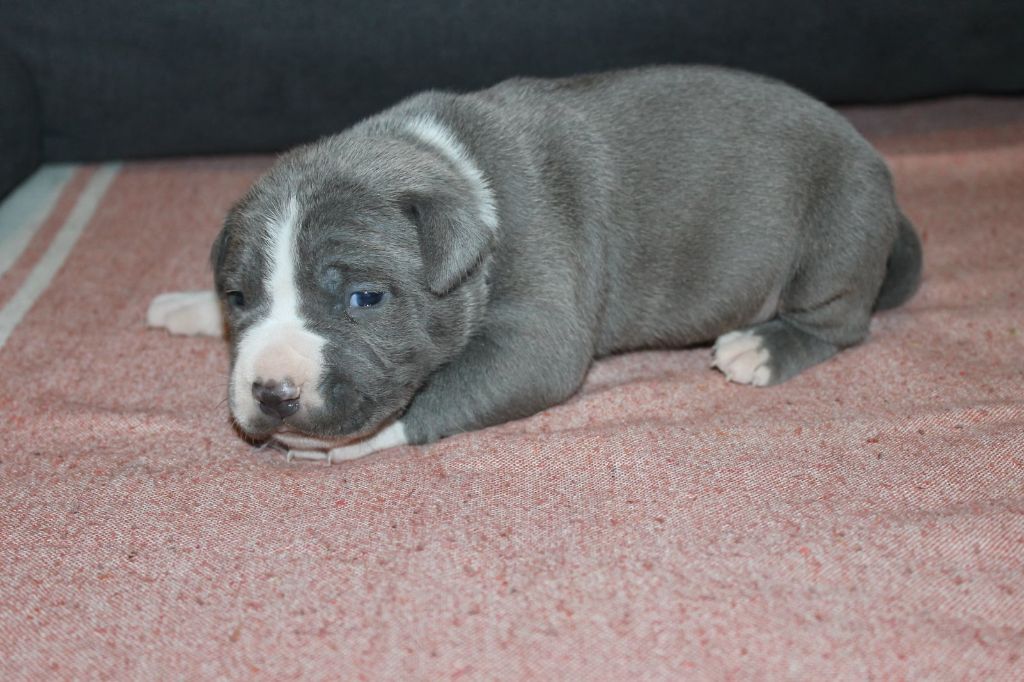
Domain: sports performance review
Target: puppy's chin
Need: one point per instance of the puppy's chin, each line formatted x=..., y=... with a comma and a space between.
x=258, y=428
x=337, y=425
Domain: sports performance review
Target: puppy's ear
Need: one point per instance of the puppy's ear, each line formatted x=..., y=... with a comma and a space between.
x=456, y=230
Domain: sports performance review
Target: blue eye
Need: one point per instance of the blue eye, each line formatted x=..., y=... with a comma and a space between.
x=365, y=299
x=235, y=299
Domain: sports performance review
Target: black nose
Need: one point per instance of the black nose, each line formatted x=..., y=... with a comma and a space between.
x=278, y=399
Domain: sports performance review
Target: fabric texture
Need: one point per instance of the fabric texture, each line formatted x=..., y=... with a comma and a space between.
x=864, y=520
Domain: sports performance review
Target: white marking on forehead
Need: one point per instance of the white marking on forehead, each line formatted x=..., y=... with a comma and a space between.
x=280, y=346
x=280, y=280
x=429, y=130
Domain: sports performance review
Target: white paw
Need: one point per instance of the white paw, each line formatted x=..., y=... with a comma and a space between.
x=389, y=437
x=302, y=447
x=187, y=312
x=742, y=358
x=316, y=455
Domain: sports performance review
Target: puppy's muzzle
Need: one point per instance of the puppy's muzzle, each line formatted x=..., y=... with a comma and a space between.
x=276, y=399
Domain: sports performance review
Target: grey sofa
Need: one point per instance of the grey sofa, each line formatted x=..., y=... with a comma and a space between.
x=135, y=78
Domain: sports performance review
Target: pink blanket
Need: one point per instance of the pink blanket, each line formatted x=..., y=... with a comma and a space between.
x=865, y=519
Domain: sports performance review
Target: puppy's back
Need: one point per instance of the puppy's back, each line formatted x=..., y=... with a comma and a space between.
x=693, y=193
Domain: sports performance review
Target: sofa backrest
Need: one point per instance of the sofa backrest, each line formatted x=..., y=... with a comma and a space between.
x=142, y=78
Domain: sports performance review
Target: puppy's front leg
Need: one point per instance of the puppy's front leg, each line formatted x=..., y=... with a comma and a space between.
x=495, y=381
x=391, y=436
x=188, y=313
x=491, y=382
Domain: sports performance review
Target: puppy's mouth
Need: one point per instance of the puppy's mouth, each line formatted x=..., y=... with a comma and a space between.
x=280, y=413
x=261, y=426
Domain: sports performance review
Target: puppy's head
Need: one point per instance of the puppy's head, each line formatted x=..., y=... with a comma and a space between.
x=349, y=273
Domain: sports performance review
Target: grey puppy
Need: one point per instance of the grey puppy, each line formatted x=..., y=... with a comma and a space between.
x=459, y=260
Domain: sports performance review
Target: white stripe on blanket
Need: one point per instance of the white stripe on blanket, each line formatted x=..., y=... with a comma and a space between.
x=51, y=261
x=24, y=211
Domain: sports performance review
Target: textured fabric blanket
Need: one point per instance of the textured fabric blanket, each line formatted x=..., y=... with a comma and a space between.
x=865, y=519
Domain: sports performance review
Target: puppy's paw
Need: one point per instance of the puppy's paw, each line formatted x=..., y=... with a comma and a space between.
x=314, y=455
x=743, y=358
x=389, y=437
x=188, y=313
x=306, y=448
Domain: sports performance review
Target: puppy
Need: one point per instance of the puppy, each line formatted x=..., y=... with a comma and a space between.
x=459, y=260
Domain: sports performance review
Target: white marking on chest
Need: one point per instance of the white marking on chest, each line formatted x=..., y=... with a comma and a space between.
x=279, y=347
x=430, y=131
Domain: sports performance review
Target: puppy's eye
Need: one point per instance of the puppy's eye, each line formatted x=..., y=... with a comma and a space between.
x=365, y=299
x=235, y=299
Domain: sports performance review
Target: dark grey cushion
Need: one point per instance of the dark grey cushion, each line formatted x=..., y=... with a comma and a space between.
x=20, y=136
x=129, y=78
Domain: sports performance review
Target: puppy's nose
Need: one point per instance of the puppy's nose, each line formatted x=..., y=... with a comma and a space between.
x=278, y=399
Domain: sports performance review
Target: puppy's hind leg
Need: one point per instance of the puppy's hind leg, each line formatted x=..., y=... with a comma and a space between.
x=189, y=313
x=848, y=233
x=820, y=313
x=797, y=338
x=769, y=353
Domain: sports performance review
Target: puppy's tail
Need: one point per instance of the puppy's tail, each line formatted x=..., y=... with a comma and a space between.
x=903, y=270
